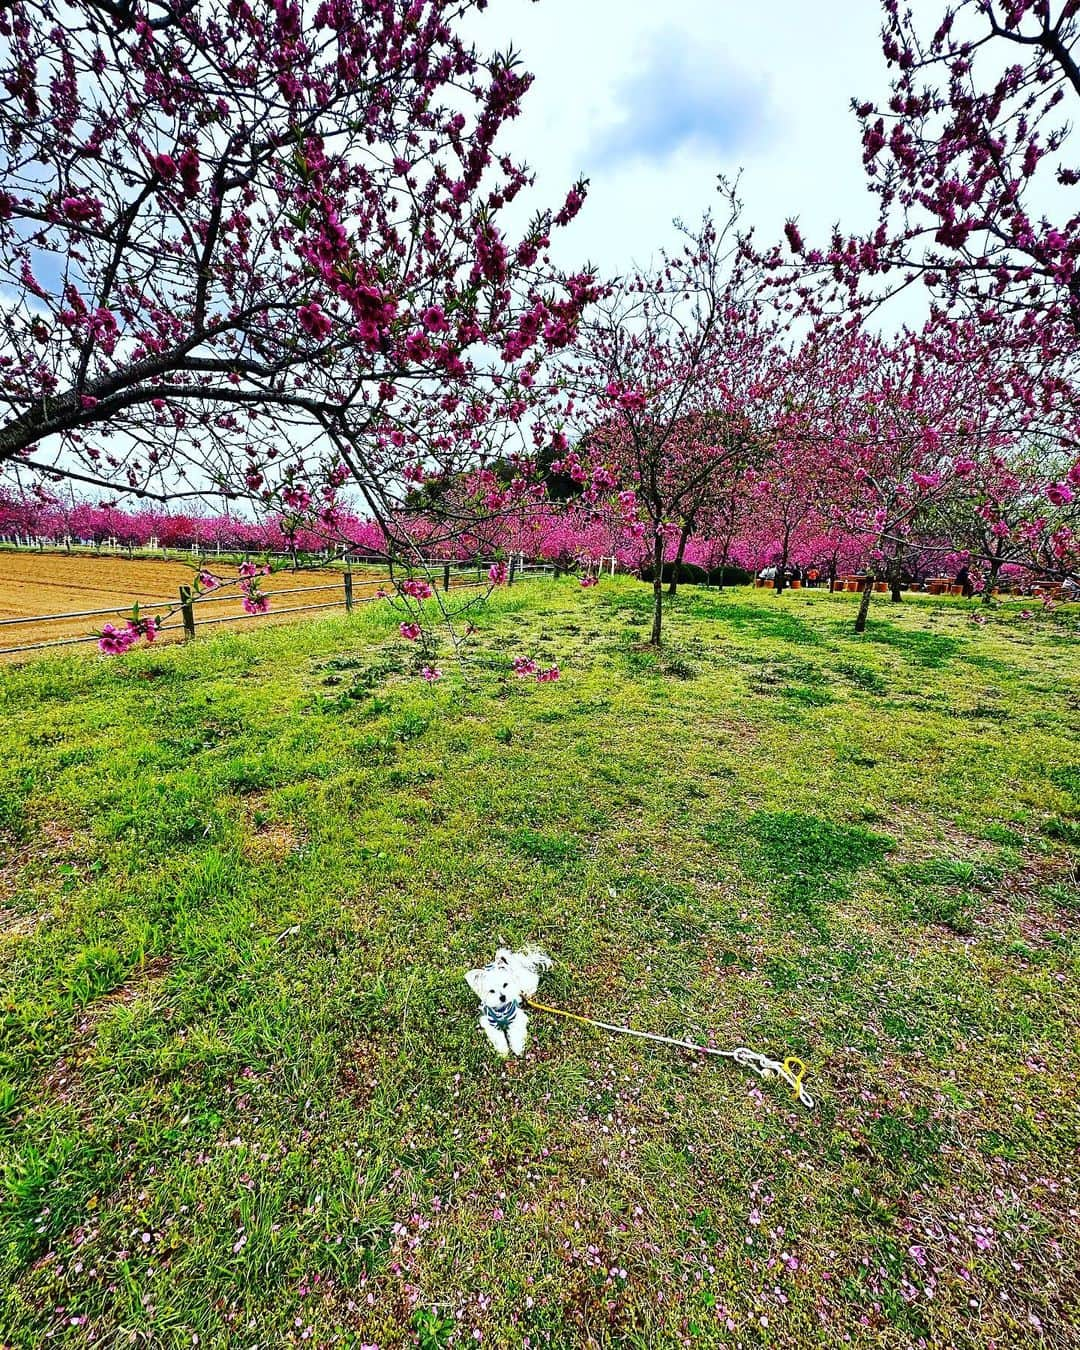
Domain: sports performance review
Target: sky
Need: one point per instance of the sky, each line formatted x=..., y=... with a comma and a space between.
x=651, y=99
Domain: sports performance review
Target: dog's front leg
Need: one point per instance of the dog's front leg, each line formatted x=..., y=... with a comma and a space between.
x=516, y=1033
x=494, y=1035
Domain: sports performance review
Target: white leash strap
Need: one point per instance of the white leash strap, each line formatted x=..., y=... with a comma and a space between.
x=757, y=1063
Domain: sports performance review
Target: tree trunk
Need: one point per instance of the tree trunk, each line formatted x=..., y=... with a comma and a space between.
x=781, y=567
x=894, y=576
x=723, y=560
x=674, y=583
x=864, y=605
x=991, y=580
x=658, y=589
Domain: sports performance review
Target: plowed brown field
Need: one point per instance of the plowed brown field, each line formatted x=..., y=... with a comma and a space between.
x=33, y=584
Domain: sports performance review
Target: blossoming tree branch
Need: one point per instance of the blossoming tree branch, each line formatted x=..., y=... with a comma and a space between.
x=255, y=250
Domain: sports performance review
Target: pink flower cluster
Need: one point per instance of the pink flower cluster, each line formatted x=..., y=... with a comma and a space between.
x=313, y=321
x=416, y=589
x=525, y=668
x=255, y=600
x=115, y=641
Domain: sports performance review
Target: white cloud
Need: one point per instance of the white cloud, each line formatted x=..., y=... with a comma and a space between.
x=675, y=97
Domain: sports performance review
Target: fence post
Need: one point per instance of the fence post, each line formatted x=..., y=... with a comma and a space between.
x=446, y=576
x=348, y=592
x=188, y=612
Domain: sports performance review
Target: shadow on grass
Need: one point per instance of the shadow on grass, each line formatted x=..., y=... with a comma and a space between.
x=1067, y=778
x=930, y=650
x=771, y=620
x=807, y=860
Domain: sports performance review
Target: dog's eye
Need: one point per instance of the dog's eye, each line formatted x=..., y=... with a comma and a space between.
x=504, y=986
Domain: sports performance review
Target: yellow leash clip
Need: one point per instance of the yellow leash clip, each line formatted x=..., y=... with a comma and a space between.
x=797, y=1069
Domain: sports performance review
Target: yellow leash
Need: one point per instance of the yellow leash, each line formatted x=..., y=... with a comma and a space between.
x=792, y=1070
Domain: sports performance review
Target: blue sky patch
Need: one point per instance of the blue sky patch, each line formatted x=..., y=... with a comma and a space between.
x=679, y=98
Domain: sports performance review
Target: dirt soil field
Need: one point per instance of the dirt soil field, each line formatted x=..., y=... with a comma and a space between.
x=33, y=584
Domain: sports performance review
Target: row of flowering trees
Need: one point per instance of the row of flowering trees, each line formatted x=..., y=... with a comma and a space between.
x=836, y=515
x=89, y=522
x=700, y=409
x=574, y=537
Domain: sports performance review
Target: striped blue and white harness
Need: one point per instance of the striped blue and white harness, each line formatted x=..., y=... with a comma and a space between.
x=500, y=1019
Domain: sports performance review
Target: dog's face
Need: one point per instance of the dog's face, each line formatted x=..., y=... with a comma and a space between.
x=496, y=986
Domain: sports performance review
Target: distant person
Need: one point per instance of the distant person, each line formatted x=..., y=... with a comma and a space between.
x=812, y=575
x=963, y=580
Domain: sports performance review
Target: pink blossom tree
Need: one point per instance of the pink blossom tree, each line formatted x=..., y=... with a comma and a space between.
x=785, y=497
x=899, y=428
x=1018, y=514
x=257, y=250
x=968, y=159
x=726, y=512
x=672, y=372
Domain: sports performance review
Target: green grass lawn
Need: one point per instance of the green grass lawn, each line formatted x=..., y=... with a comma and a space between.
x=243, y=1098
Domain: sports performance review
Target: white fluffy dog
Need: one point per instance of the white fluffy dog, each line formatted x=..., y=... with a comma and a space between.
x=501, y=987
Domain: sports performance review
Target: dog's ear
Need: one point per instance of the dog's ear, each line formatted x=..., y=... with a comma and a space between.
x=475, y=980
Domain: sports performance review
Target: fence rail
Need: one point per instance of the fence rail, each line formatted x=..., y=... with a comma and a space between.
x=454, y=577
x=154, y=550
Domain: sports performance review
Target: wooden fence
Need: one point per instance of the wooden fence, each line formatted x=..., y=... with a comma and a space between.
x=349, y=590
